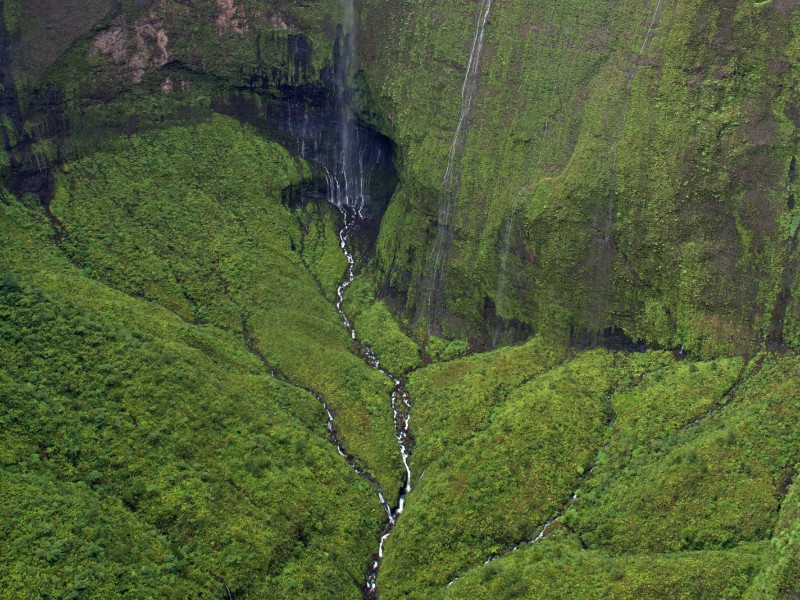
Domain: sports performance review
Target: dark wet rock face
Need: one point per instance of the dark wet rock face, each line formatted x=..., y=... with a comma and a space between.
x=27, y=173
x=312, y=115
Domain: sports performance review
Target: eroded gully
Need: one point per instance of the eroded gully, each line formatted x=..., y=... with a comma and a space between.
x=400, y=400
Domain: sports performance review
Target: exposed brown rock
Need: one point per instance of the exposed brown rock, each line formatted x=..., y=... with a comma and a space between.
x=136, y=47
x=228, y=17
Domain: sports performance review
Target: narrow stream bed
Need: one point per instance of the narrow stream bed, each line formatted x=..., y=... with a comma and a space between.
x=400, y=402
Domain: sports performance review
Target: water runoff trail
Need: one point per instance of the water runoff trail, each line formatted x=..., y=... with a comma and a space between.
x=347, y=194
x=452, y=175
x=352, y=164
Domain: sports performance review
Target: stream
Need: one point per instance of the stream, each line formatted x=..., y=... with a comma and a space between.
x=346, y=190
x=400, y=400
x=358, y=167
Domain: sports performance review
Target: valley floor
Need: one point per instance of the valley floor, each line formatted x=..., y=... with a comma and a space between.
x=160, y=354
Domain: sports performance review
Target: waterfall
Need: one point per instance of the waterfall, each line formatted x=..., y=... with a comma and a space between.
x=451, y=180
x=503, y=273
x=634, y=70
x=400, y=400
x=347, y=168
x=468, y=88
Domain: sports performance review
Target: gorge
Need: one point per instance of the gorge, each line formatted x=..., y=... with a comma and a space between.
x=242, y=241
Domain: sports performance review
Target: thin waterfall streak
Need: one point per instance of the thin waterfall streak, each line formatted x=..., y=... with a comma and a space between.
x=502, y=276
x=468, y=87
x=450, y=179
x=648, y=37
x=501, y=282
x=544, y=139
x=645, y=47
x=471, y=54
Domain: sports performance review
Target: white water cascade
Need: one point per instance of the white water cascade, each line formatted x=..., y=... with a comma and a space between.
x=451, y=179
x=348, y=188
x=500, y=294
x=469, y=87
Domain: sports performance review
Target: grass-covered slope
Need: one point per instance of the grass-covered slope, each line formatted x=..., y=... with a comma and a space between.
x=707, y=485
x=626, y=163
x=377, y=327
x=148, y=449
x=679, y=470
x=563, y=570
x=491, y=490
x=192, y=219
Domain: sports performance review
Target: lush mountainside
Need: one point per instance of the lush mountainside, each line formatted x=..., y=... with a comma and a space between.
x=624, y=164
x=575, y=237
x=148, y=448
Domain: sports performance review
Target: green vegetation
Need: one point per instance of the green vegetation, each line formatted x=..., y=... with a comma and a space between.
x=637, y=157
x=679, y=471
x=167, y=317
x=562, y=570
x=492, y=489
x=148, y=454
x=454, y=401
x=439, y=349
x=781, y=577
x=191, y=218
x=377, y=327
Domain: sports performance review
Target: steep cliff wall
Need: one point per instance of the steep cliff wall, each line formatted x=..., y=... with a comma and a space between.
x=626, y=164
x=622, y=165
x=573, y=169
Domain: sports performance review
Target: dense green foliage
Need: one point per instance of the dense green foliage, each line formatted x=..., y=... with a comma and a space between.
x=167, y=316
x=491, y=489
x=711, y=485
x=563, y=570
x=376, y=327
x=180, y=218
x=626, y=163
x=147, y=454
x=675, y=467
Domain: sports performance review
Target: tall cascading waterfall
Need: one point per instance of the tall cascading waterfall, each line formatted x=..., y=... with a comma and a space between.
x=347, y=190
x=356, y=163
x=452, y=175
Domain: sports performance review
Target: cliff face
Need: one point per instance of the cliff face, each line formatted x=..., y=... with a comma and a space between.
x=625, y=164
x=621, y=165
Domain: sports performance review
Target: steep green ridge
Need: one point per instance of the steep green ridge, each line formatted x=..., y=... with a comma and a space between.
x=707, y=486
x=488, y=491
x=679, y=471
x=141, y=220
x=376, y=326
x=166, y=313
x=780, y=577
x=150, y=455
x=638, y=154
x=563, y=570
x=626, y=164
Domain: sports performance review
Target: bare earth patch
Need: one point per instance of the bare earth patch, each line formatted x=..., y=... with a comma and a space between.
x=228, y=18
x=136, y=47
